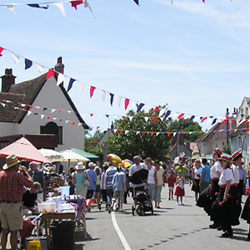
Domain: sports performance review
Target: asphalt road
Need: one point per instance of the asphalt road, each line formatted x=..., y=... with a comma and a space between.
x=171, y=227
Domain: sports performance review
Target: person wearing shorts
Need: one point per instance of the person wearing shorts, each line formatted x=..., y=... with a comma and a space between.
x=13, y=179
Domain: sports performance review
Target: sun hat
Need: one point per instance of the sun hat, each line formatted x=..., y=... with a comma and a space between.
x=218, y=151
x=198, y=160
x=225, y=157
x=11, y=161
x=91, y=164
x=236, y=155
x=79, y=166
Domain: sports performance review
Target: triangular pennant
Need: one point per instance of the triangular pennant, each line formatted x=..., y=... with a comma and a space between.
x=143, y=133
x=224, y=122
x=54, y=118
x=167, y=114
x=192, y=118
x=92, y=89
x=154, y=119
x=115, y=130
x=245, y=122
x=126, y=103
x=126, y=132
x=71, y=81
x=203, y=119
x=50, y=74
x=137, y=132
x=146, y=118
x=28, y=63
x=214, y=121
x=35, y=5
x=1, y=50
x=67, y=121
x=74, y=4
x=60, y=6
x=40, y=67
x=180, y=116
x=156, y=110
x=15, y=57
x=246, y=130
x=42, y=116
x=44, y=109
x=152, y=133
x=73, y=123
x=137, y=2
x=53, y=110
x=60, y=79
x=107, y=116
x=29, y=113
x=119, y=101
x=130, y=118
x=162, y=111
x=111, y=98
x=11, y=8
x=121, y=131
x=174, y=134
x=140, y=107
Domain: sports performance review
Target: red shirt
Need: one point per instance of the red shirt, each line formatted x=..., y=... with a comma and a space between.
x=12, y=185
x=171, y=180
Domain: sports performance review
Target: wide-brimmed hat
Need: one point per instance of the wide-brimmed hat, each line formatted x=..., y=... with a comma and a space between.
x=91, y=164
x=198, y=160
x=218, y=151
x=79, y=166
x=225, y=157
x=236, y=155
x=11, y=161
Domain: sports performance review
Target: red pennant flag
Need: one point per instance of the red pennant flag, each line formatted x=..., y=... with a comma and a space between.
x=169, y=134
x=203, y=119
x=76, y=3
x=126, y=103
x=123, y=117
x=224, y=122
x=91, y=114
x=184, y=132
x=232, y=122
x=30, y=106
x=121, y=131
x=73, y=123
x=246, y=129
x=215, y=131
x=154, y=119
x=59, y=110
x=97, y=127
x=50, y=74
x=92, y=89
x=201, y=132
x=185, y=120
x=1, y=50
x=48, y=117
x=203, y=1
x=245, y=122
x=180, y=116
x=143, y=133
x=152, y=133
x=156, y=109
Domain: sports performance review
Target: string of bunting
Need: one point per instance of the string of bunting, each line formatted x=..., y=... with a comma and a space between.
x=27, y=108
x=45, y=5
x=128, y=103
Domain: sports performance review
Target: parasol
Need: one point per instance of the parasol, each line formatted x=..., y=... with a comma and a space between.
x=51, y=154
x=139, y=176
x=25, y=150
x=114, y=159
x=126, y=163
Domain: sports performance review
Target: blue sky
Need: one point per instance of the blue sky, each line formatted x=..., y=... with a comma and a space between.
x=193, y=56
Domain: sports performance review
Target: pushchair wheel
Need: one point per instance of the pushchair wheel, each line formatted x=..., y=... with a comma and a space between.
x=133, y=210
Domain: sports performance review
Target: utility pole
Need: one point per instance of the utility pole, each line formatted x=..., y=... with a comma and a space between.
x=227, y=114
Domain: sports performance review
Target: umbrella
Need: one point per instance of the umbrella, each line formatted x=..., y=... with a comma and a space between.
x=139, y=176
x=114, y=159
x=24, y=150
x=126, y=163
x=52, y=155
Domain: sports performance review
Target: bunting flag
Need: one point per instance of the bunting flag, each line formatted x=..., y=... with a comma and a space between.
x=92, y=89
x=74, y=4
x=111, y=98
x=51, y=73
x=203, y=119
x=167, y=114
x=140, y=107
x=1, y=50
x=71, y=81
x=137, y=2
x=126, y=103
x=15, y=57
x=156, y=110
x=180, y=116
x=60, y=79
x=35, y=5
x=60, y=7
x=154, y=120
x=28, y=63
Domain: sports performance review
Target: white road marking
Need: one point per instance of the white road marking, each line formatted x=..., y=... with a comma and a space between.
x=119, y=232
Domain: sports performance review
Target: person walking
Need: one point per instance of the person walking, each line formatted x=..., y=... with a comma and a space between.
x=205, y=175
x=109, y=186
x=98, y=187
x=179, y=191
x=160, y=175
x=152, y=178
x=196, y=173
x=12, y=185
x=92, y=180
x=171, y=180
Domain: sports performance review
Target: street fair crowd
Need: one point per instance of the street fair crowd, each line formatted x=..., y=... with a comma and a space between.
x=218, y=187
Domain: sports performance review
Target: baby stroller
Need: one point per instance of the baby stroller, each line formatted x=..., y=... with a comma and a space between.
x=143, y=202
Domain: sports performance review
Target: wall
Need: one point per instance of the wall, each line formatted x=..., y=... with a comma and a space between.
x=51, y=96
x=243, y=107
x=7, y=128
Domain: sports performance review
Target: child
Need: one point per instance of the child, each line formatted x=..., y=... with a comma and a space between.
x=179, y=191
x=171, y=179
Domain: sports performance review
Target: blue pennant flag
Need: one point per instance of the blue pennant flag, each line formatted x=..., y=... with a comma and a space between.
x=111, y=98
x=163, y=133
x=71, y=81
x=28, y=63
x=192, y=117
x=35, y=5
x=214, y=121
x=138, y=118
x=137, y=2
x=167, y=114
x=140, y=107
x=107, y=116
x=44, y=109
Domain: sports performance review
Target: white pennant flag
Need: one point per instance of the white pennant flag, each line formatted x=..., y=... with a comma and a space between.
x=174, y=134
x=133, y=105
x=126, y=131
x=115, y=130
x=162, y=111
x=137, y=132
x=8, y=101
x=67, y=121
x=60, y=6
x=54, y=118
x=15, y=57
x=196, y=119
x=42, y=116
x=130, y=118
x=146, y=118
x=37, y=107
x=69, y=111
x=146, y=108
x=40, y=67
x=29, y=113
x=79, y=124
x=162, y=118
x=103, y=92
x=53, y=110
x=3, y=104
x=23, y=105
x=11, y=9
x=119, y=101
x=16, y=108
x=60, y=79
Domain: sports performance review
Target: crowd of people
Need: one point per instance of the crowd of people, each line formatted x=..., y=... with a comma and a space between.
x=218, y=187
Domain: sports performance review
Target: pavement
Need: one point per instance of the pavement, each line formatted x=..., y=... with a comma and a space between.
x=170, y=227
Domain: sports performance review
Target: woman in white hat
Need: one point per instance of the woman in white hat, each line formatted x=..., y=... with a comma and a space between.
x=81, y=180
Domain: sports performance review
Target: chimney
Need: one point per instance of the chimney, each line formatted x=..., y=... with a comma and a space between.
x=7, y=80
x=59, y=67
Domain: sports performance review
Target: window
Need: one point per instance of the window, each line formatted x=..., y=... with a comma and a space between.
x=246, y=112
x=52, y=128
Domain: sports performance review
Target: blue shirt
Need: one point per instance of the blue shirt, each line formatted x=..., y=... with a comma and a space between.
x=205, y=171
x=109, y=176
x=92, y=179
x=118, y=180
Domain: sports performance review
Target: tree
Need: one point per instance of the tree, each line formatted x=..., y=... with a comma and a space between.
x=142, y=137
x=182, y=125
